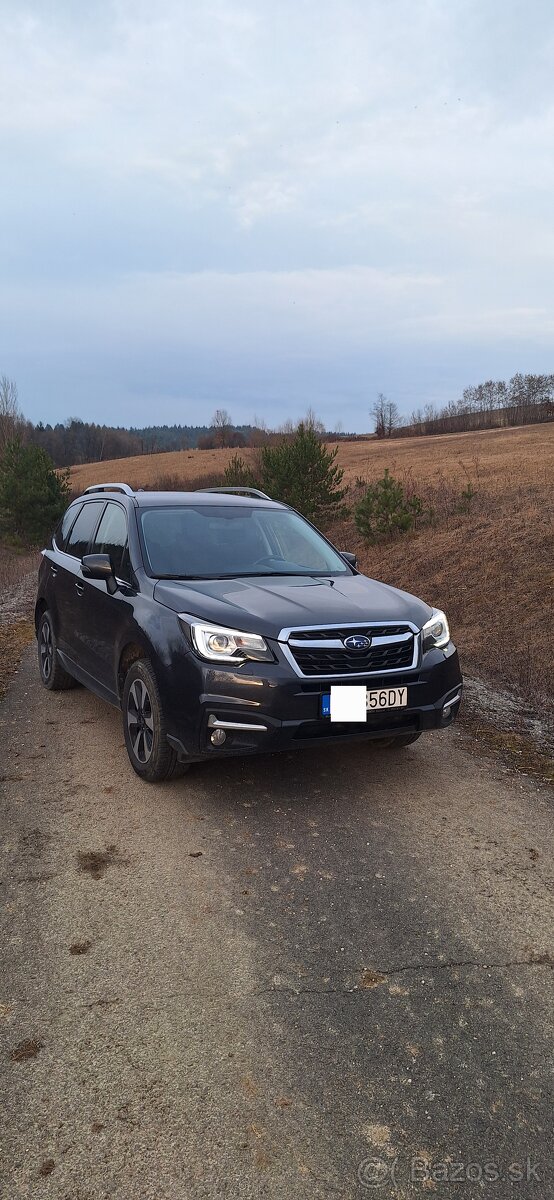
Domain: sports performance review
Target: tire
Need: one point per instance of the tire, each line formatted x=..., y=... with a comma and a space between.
x=145, y=728
x=396, y=743
x=52, y=675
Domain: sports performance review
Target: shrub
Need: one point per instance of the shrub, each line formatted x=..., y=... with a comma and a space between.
x=238, y=474
x=302, y=472
x=467, y=497
x=385, y=510
x=33, y=495
x=172, y=482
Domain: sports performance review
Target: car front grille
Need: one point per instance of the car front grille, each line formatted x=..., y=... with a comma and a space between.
x=326, y=635
x=320, y=652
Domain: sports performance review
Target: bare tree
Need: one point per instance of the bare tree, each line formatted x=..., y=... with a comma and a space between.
x=11, y=418
x=259, y=433
x=378, y=414
x=386, y=416
x=311, y=421
x=284, y=432
x=392, y=417
x=222, y=426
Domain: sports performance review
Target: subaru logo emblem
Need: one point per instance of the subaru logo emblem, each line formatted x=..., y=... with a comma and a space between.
x=358, y=641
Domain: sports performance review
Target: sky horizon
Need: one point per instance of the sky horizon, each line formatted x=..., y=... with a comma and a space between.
x=267, y=208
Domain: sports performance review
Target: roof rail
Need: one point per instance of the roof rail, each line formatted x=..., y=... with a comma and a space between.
x=248, y=491
x=109, y=487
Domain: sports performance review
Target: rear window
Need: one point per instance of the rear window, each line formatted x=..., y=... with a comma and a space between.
x=83, y=529
x=60, y=536
x=111, y=538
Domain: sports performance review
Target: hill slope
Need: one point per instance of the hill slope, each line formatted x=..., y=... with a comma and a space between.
x=499, y=453
x=489, y=567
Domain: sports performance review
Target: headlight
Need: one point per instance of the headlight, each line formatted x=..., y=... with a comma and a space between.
x=436, y=632
x=227, y=645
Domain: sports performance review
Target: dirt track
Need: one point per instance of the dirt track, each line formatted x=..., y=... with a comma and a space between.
x=287, y=977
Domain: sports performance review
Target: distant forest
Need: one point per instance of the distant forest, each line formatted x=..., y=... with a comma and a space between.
x=523, y=400
x=77, y=441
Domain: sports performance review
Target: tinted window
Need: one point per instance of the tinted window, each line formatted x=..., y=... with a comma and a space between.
x=83, y=528
x=65, y=524
x=202, y=541
x=111, y=538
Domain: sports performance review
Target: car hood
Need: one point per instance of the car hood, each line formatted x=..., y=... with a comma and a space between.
x=267, y=606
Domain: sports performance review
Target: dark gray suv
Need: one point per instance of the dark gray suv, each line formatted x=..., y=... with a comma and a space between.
x=222, y=622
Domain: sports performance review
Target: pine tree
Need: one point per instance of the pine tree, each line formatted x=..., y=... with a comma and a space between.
x=302, y=472
x=33, y=495
x=385, y=509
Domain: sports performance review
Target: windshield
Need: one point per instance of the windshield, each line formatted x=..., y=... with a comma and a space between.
x=221, y=542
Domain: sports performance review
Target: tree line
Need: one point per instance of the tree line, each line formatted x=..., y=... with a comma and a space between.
x=75, y=441
x=524, y=399
x=495, y=404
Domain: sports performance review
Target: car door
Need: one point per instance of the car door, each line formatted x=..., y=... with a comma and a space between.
x=106, y=614
x=68, y=584
x=52, y=575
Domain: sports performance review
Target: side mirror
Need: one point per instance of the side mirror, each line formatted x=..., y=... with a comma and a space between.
x=99, y=566
x=348, y=557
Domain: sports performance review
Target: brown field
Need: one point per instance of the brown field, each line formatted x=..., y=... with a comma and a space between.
x=501, y=454
x=14, y=566
x=18, y=570
x=490, y=568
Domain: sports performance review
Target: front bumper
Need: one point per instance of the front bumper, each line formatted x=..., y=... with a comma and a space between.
x=281, y=711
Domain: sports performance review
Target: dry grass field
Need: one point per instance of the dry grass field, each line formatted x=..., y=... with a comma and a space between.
x=18, y=570
x=490, y=567
x=501, y=454
x=15, y=565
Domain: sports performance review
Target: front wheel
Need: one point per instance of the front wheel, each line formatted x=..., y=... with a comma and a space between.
x=145, y=729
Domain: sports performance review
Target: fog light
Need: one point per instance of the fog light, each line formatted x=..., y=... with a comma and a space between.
x=218, y=737
x=446, y=710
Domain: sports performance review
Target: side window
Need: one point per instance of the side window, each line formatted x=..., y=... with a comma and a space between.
x=60, y=536
x=78, y=540
x=111, y=538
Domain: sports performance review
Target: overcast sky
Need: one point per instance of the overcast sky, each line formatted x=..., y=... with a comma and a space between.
x=270, y=204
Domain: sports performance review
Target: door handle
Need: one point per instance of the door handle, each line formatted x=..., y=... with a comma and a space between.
x=80, y=587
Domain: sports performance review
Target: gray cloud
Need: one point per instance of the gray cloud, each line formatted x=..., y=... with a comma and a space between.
x=270, y=204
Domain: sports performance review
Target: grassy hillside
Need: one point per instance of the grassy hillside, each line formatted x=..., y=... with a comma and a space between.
x=498, y=453
x=491, y=567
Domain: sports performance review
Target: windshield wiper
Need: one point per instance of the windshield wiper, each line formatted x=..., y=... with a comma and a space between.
x=246, y=575
x=263, y=574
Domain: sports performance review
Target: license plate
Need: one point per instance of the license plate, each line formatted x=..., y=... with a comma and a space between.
x=375, y=699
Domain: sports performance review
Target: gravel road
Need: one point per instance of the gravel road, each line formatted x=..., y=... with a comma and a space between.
x=327, y=973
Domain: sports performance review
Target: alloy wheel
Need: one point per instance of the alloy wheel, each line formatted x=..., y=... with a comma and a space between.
x=46, y=650
x=140, y=721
